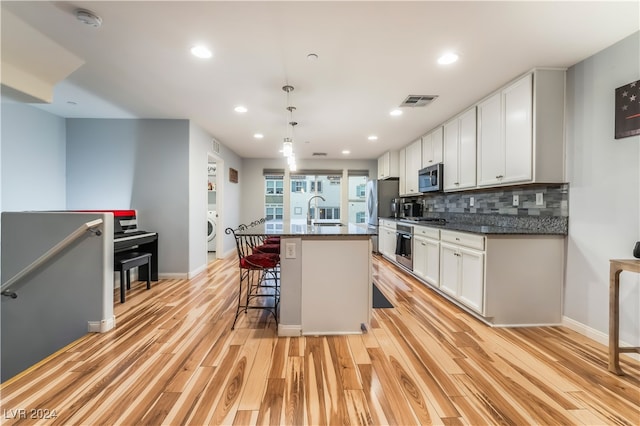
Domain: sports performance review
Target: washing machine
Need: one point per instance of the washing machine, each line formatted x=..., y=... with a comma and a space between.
x=211, y=232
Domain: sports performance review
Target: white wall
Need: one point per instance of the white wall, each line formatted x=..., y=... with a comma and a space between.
x=33, y=159
x=198, y=160
x=229, y=197
x=604, y=195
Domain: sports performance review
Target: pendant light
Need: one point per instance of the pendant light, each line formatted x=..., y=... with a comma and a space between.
x=287, y=145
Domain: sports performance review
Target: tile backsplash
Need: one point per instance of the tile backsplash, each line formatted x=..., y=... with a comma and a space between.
x=499, y=201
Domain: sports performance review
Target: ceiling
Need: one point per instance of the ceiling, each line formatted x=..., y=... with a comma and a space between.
x=371, y=56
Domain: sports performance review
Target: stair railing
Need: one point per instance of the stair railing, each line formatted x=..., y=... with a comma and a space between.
x=82, y=229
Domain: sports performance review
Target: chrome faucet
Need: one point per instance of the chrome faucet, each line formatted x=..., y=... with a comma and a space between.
x=309, y=207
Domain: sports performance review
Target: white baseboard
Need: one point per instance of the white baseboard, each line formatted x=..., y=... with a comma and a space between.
x=102, y=326
x=233, y=252
x=172, y=276
x=594, y=334
x=289, y=330
x=197, y=271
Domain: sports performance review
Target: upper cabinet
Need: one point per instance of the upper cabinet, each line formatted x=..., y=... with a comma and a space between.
x=413, y=164
x=388, y=165
x=460, y=152
x=402, y=171
x=432, y=147
x=521, y=131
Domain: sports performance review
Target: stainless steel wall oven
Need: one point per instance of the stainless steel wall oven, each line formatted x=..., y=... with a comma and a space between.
x=404, y=237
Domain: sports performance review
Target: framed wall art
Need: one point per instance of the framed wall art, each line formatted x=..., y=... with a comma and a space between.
x=627, y=119
x=233, y=175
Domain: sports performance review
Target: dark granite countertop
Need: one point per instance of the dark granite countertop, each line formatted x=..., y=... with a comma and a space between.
x=288, y=229
x=496, y=224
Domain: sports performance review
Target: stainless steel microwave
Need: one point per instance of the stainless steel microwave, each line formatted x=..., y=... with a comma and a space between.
x=430, y=178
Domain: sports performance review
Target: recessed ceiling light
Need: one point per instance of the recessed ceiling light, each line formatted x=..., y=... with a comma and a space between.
x=373, y=138
x=396, y=112
x=312, y=57
x=447, y=58
x=201, y=52
x=258, y=135
x=240, y=109
x=346, y=152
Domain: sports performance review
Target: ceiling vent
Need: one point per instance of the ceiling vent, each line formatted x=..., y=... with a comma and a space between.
x=418, y=100
x=215, y=146
x=319, y=154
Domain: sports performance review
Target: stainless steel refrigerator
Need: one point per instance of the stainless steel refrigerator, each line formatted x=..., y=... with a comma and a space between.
x=379, y=195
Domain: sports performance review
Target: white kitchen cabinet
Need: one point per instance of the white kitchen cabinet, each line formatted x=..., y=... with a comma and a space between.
x=505, y=280
x=460, y=152
x=426, y=258
x=462, y=268
x=402, y=171
x=432, y=147
x=388, y=165
x=505, y=140
x=413, y=164
x=387, y=238
x=490, y=141
x=521, y=131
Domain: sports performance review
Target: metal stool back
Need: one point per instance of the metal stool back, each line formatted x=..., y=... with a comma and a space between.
x=259, y=286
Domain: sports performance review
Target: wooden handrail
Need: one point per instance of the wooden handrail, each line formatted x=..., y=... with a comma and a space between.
x=88, y=226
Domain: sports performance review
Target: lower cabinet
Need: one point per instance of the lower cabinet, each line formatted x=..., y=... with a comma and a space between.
x=426, y=259
x=387, y=239
x=462, y=275
x=503, y=279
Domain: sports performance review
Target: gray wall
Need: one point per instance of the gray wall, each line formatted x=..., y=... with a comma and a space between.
x=58, y=300
x=33, y=158
x=138, y=164
x=604, y=200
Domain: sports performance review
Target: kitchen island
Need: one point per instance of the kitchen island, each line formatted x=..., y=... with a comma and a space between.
x=326, y=277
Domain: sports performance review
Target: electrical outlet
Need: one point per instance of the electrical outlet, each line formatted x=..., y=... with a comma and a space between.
x=539, y=199
x=472, y=201
x=516, y=200
x=290, y=251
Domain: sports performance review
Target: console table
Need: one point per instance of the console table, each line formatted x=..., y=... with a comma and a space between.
x=615, y=268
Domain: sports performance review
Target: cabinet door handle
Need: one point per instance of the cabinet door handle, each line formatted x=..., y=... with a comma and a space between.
x=499, y=177
x=431, y=161
x=456, y=183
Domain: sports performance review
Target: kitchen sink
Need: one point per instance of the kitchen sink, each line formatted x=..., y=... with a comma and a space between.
x=328, y=224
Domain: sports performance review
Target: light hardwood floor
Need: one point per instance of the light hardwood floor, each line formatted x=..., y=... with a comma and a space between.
x=174, y=360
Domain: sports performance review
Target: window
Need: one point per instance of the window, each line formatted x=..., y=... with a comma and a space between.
x=357, y=196
x=298, y=186
x=274, y=186
x=273, y=197
x=274, y=211
x=329, y=213
x=323, y=197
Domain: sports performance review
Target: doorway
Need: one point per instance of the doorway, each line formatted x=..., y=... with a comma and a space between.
x=215, y=190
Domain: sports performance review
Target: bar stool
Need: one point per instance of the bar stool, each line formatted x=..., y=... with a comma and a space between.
x=127, y=261
x=259, y=286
